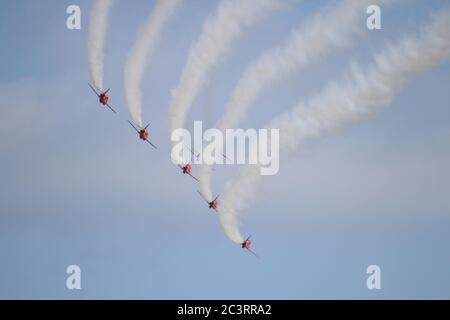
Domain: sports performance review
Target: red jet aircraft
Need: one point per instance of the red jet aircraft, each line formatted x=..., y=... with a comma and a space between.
x=212, y=204
x=187, y=170
x=143, y=133
x=102, y=97
x=246, y=245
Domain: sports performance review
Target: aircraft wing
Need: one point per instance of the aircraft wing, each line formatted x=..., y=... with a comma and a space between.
x=203, y=197
x=216, y=197
x=95, y=91
x=133, y=126
x=225, y=157
x=111, y=108
x=252, y=252
x=193, y=177
x=151, y=144
x=193, y=153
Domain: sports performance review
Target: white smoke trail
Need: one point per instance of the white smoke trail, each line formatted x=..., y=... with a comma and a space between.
x=341, y=104
x=331, y=29
x=141, y=52
x=219, y=32
x=96, y=39
x=204, y=178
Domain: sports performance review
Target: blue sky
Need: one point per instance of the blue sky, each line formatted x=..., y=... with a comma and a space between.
x=77, y=187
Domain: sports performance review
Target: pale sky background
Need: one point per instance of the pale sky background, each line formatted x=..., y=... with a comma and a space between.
x=77, y=187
